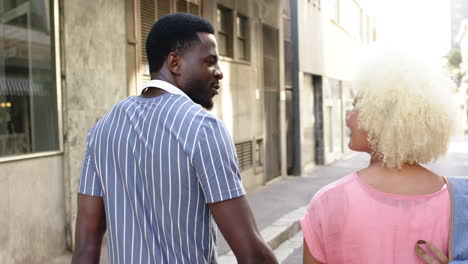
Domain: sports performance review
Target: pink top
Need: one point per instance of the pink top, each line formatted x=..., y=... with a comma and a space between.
x=349, y=222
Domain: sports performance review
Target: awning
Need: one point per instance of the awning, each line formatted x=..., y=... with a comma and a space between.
x=20, y=87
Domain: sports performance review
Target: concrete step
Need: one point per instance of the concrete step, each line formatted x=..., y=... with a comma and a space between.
x=280, y=231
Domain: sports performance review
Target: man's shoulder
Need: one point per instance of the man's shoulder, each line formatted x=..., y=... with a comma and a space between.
x=112, y=113
x=196, y=112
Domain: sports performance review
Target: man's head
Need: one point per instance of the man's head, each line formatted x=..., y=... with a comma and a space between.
x=182, y=49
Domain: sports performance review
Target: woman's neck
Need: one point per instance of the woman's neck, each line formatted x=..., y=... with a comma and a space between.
x=409, y=179
x=378, y=162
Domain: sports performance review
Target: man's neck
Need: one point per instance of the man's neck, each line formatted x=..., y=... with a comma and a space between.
x=164, y=76
x=152, y=92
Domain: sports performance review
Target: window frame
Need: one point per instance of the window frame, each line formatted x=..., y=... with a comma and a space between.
x=57, y=68
x=244, y=39
x=229, y=33
x=232, y=35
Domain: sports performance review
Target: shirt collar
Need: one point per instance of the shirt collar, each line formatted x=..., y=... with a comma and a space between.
x=168, y=87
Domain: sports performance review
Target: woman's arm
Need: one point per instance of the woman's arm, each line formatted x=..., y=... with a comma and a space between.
x=308, y=258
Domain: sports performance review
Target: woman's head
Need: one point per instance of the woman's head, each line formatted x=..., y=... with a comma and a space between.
x=404, y=106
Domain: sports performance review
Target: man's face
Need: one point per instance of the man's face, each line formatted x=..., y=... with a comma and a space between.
x=200, y=71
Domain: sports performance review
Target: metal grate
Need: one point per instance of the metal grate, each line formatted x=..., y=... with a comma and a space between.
x=194, y=9
x=244, y=155
x=182, y=6
x=164, y=7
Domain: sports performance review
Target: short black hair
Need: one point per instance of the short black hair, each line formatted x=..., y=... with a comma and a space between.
x=173, y=32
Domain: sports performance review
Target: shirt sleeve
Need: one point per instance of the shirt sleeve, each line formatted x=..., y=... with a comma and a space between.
x=312, y=230
x=215, y=161
x=89, y=180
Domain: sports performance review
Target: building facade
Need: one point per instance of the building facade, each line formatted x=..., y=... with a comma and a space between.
x=65, y=63
x=330, y=37
x=32, y=195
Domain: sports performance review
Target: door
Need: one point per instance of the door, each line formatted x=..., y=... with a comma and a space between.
x=272, y=99
x=318, y=124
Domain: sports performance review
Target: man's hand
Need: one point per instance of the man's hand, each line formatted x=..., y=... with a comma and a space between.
x=237, y=224
x=90, y=229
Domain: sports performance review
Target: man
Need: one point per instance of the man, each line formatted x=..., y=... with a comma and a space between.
x=158, y=168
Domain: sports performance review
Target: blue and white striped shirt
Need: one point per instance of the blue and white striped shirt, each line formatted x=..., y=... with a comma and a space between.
x=157, y=162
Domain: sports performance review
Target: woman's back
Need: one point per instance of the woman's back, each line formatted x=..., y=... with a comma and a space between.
x=351, y=221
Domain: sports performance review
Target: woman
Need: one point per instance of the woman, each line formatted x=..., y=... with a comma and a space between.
x=402, y=117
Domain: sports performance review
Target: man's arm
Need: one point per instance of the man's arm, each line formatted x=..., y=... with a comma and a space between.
x=90, y=229
x=237, y=224
x=308, y=258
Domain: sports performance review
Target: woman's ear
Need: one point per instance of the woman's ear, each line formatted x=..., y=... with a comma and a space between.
x=173, y=62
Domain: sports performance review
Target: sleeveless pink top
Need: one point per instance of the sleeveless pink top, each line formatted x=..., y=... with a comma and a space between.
x=349, y=222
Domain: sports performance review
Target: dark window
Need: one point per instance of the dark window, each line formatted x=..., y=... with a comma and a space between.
x=242, y=37
x=188, y=6
x=224, y=25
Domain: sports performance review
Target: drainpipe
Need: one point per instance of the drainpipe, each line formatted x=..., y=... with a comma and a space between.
x=297, y=167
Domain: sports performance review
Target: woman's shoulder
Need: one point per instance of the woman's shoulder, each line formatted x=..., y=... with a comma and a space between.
x=334, y=189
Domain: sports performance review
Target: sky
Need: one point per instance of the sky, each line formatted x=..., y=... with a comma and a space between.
x=421, y=23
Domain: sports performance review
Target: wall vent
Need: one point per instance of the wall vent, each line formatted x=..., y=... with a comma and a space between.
x=244, y=155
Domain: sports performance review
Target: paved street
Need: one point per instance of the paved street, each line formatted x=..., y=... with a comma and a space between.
x=455, y=163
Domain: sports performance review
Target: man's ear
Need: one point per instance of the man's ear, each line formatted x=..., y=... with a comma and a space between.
x=174, y=61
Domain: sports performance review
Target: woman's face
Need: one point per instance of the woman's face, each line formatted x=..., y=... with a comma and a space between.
x=358, y=137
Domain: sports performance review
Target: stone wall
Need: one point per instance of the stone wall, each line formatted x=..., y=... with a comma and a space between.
x=94, y=78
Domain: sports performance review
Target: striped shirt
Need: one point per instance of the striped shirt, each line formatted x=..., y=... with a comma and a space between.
x=158, y=162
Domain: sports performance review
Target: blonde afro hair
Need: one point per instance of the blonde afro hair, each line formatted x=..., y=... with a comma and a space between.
x=405, y=103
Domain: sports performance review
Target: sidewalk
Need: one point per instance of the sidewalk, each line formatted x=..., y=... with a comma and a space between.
x=280, y=204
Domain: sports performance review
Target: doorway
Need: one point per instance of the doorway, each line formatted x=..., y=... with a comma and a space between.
x=271, y=102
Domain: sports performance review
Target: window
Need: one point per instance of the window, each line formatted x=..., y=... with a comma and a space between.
x=242, y=37
x=188, y=6
x=232, y=34
x=224, y=25
x=362, y=26
x=28, y=95
x=334, y=10
x=368, y=21
x=374, y=31
x=350, y=17
x=259, y=153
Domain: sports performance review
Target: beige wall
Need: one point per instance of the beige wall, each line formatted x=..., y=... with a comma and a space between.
x=240, y=101
x=325, y=47
x=38, y=196
x=328, y=50
x=32, y=210
x=94, y=70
